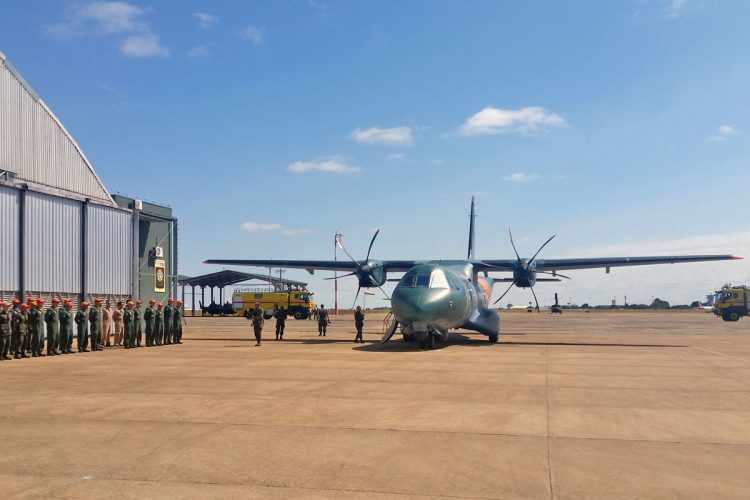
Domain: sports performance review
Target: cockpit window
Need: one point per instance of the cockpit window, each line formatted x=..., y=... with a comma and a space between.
x=438, y=279
x=423, y=280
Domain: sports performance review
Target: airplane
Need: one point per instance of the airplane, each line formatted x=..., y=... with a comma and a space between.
x=434, y=297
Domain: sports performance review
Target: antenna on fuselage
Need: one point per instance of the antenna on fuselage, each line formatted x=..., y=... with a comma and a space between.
x=472, y=216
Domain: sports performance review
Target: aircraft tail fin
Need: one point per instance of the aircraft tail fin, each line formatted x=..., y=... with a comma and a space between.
x=472, y=216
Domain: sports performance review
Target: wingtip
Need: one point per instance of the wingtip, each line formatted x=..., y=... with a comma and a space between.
x=737, y=257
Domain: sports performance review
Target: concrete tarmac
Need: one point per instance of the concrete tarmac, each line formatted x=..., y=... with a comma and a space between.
x=573, y=406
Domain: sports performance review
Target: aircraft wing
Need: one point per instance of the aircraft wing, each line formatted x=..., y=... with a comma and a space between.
x=313, y=265
x=591, y=263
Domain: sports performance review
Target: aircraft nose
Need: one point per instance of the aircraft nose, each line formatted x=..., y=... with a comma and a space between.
x=411, y=305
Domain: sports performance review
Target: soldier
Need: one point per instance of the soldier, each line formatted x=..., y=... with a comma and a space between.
x=65, y=317
x=148, y=317
x=82, y=322
x=359, y=323
x=106, y=324
x=322, y=321
x=20, y=330
x=177, y=314
x=95, y=325
x=168, y=320
x=280, y=316
x=256, y=315
x=15, y=310
x=4, y=331
x=36, y=328
x=127, y=319
x=52, y=320
x=117, y=317
x=137, y=326
x=159, y=324
x=27, y=342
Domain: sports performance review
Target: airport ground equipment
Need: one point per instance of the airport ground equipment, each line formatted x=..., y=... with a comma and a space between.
x=298, y=303
x=730, y=303
x=556, y=309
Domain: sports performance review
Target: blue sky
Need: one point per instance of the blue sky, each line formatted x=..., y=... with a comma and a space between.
x=267, y=126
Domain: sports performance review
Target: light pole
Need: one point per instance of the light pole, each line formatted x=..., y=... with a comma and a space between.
x=336, y=243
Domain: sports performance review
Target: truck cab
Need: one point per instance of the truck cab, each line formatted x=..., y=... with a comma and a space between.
x=731, y=302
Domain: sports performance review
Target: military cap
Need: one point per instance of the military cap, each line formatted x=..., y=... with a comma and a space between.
x=24, y=307
x=16, y=301
x=97, y=300
x=40, y=302
x=55, y=300
x=84, y=304
x=152, y=301
x=160, y=305
x=170, y=300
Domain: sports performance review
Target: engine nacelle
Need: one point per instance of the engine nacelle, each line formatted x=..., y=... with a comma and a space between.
x=524, y=276
x=371, y=274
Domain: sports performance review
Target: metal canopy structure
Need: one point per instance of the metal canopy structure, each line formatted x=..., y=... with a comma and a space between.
x=228, y=277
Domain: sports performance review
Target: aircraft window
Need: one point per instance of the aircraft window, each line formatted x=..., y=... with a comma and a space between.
x=438, y=279
x=423, y=280
x=408, y=280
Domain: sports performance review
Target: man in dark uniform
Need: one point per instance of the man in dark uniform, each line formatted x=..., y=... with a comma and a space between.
x=148, y=318
x=256, y=316
x=177, y=314
x=137, y=323
x=159, y=324
x=36, y=328
x=322, y=321
x=4, y=331
x=15, y=310
x=21, y=330
x=168, y=319
x=359, y=324
x=52, y=320
x=65, y=318
x=280, y=316
x=82, y=322
x=127, y=319
x=95, y=325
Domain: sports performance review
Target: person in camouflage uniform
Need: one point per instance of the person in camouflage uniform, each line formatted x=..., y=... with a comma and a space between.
x=127, y=320
x=52, y=320
x=168, y=320
x=21, y=330
x=15, y=310
x=359, y=324
x=82, y=322
x=256, y=316
x=36, y=327
x=177, y=314
x=95, y=325
x=280, y=316
x=65, y=317
x=148, y=318
x=117, y=315
x=322, y=321
x=4, y=331
x=159, y=324
x=137, y=324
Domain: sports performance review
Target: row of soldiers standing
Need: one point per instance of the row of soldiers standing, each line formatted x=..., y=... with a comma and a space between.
x=22, y=326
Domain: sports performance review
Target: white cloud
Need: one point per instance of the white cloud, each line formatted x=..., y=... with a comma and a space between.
x=199, y=51
x=675, y=8
x=396, y=136
x=491, y=121
x=255, y=227
x=205, y=20
x=331, y=166
x=723, y=133
x=143, y=45
x=521, y=177
x=253, y=34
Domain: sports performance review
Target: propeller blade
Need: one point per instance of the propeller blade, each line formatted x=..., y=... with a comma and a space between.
x=356, y=296
x=555, y=274
x=339, y=277
x=513, y=245
x=540, y=248
x=372, y=241
x=384, y=293
x=535, y=300
x=504, y=293
x=347, y=253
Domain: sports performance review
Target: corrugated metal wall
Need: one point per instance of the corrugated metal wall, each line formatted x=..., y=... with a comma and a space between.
x=34, y=144
x=53, y=244
x=109, y=247
x=8, y=239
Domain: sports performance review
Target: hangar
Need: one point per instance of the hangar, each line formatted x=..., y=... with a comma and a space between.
x=61, y=231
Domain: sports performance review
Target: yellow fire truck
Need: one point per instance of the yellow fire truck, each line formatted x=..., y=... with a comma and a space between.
x=298, y=303
x=730, y=303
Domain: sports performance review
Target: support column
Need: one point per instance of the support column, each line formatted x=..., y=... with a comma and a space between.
x=192, y=296
x=84, y=248
x=22, y=242
x=212, y=294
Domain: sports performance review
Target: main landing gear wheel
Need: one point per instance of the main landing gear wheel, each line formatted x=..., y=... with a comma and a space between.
x=407, y=337
x=493, y=339
x=430, y=341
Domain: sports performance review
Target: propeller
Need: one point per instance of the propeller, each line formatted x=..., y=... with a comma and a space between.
x=360, y=267
x=525, y=265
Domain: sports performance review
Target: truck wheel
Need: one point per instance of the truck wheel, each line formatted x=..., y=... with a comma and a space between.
x=733, y=316
x=298, y=315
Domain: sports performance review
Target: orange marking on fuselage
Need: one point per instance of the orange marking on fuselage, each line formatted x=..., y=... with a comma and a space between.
x=484, y=286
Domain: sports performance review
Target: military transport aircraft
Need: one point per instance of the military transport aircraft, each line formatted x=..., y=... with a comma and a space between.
x=436, y=296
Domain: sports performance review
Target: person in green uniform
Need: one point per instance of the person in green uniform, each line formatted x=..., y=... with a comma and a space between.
x=53, y=327
x=21, y=330
x=36, y=328
x=15, y=310
x=4, y=331
x=159, y=324
x=322, y=321
x=256, y=316
x=280, y=316
x=359, y=324
x=82, y=324
x=65, y=316
x=168, y=320
x=137, y=325
x=127, y=319
x=95, y=324
x=148, y=318
x=177, y=314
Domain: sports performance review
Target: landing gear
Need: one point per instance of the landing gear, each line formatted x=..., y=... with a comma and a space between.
x=430, y=340
x=493, y=339
x=407, y=337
